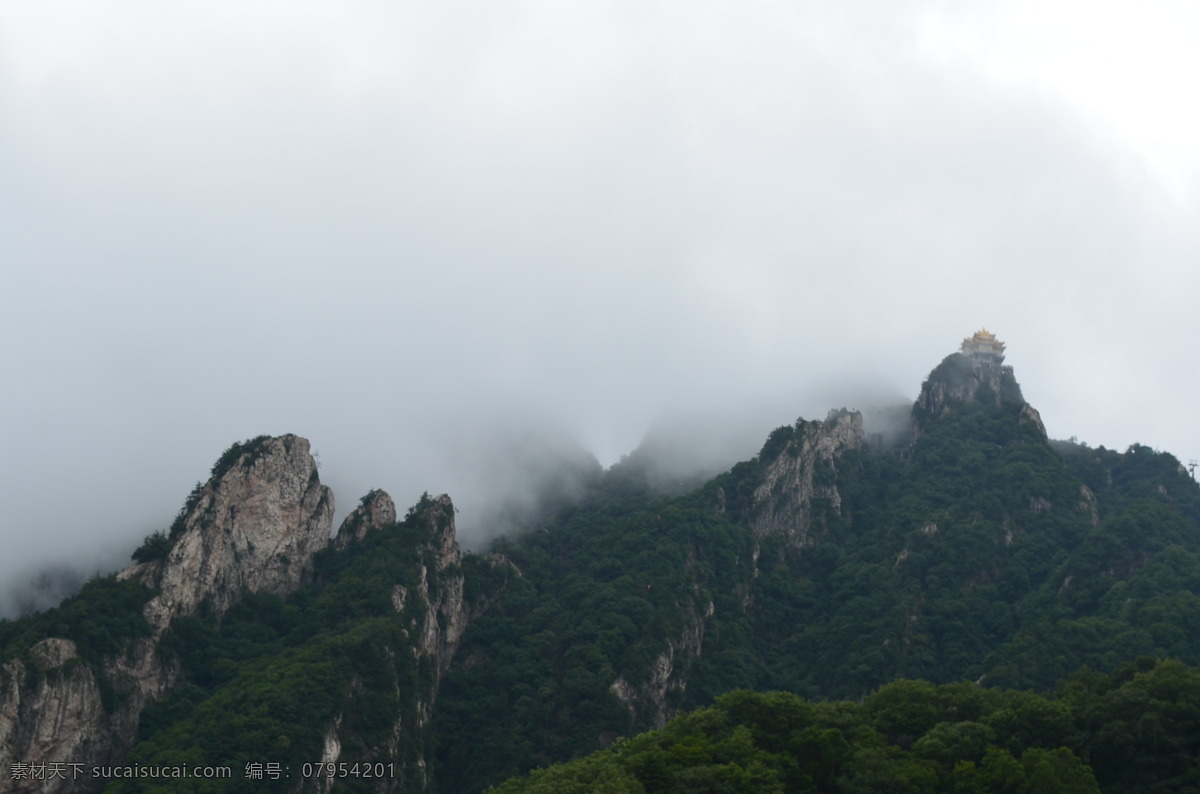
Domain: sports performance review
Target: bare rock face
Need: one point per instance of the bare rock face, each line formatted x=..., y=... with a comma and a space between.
x=962, y=379
x=254, y=528
x=441, y=589
x=50, y=706
x=958, y=379
x=376, y=511
x=802, y=476
x=53, y=710
x=433, y=614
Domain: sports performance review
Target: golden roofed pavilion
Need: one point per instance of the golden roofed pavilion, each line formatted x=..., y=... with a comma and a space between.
x=984, y=346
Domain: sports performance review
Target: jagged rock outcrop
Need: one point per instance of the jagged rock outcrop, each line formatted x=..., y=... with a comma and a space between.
x=52, y=705
x=375, y=511
x=434, y=615
x=802, y=475
x=254, y=527
x=440, y=589
x=57, y=709
x=1030, y=416
x=961, y=379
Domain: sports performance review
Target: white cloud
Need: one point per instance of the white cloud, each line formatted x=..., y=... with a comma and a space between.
x=395, y=229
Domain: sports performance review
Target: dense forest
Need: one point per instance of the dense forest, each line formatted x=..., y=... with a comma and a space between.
x=966, y=607
x=980, y=553
x=1134, y=730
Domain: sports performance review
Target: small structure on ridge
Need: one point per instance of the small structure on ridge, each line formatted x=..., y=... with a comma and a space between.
x=984, y=346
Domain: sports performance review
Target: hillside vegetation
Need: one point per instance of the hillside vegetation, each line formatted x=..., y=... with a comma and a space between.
x=982, y=553
x=978, y=609
x=1132, y=731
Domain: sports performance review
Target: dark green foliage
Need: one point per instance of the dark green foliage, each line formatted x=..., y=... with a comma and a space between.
x=156, y=546
x=267, y=680
x=193, y=499
x=909, y=736
x=253, y=448
x=981, y=553
x=1140, y=726
x=277, y=709
x=597, y=599
x=101, y=620
x=777, y=441
x=976, y=555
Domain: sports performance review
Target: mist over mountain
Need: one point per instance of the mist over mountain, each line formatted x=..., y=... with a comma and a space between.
x=553, y=350
x=507, y=470
x=949, y=542
x=41, y=589
x=404, y=231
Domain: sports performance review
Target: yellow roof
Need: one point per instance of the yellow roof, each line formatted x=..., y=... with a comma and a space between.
x=983, y=340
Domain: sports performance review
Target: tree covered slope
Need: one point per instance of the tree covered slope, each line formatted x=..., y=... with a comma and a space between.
x=911, y=592
x=1134, y=730
x=979, y=552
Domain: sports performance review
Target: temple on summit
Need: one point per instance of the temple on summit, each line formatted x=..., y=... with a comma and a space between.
x=984, y=346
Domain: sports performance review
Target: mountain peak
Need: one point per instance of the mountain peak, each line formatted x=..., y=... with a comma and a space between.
x=375, y=510
x=975, y=374
x=253, y=527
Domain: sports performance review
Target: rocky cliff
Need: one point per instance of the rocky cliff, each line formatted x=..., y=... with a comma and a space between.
x=253, y=527
x=962, y=379
x=440, y=589
x=375, y=511
x=799, y=483
x=430, y=607
x=798, y=488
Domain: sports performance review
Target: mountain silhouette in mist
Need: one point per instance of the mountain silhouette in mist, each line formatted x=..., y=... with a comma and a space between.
x=959, y=545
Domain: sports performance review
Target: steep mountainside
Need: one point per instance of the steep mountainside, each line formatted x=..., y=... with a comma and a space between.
x=253, y=527
x=344, y=672
x=192, y=657
x=830, y=564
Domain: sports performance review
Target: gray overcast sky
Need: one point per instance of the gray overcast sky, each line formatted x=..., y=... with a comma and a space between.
x=403, y=230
